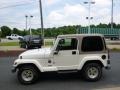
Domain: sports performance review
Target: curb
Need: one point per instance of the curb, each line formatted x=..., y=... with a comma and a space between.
x=12, y=53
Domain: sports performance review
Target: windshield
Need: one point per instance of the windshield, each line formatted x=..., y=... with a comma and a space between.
x=54, y=44
x=33, y=37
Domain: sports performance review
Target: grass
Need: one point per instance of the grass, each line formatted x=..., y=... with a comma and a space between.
x=9, y=44
x=48, y=43
x=115, y=49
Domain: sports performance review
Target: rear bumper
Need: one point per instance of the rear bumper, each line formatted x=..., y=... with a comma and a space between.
x=108, y=67
x=35, y=44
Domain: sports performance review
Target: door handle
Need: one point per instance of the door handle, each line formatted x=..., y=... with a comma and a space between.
x=49, y=61
x=73, y=52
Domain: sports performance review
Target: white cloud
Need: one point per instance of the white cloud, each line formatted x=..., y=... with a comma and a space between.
x=117, y=19
x=77, y=13
x=50, y=2
x=102, y=3
x=69, y=15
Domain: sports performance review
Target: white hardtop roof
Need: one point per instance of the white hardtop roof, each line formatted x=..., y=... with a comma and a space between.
x=80, y=35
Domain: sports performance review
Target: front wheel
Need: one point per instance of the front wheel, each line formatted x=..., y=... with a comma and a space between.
x=27, y=46
x=10, y=38
x=27, y=75
x=92, y=72
x=39, y=46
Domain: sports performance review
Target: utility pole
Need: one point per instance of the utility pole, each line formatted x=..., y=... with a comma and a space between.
x=89, y=17
x=112, y=16
x=41, y=19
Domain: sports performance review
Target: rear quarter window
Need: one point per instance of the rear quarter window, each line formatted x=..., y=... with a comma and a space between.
x=92, y=43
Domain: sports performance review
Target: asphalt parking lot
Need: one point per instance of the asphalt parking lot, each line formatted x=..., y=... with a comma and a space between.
x=110, y=79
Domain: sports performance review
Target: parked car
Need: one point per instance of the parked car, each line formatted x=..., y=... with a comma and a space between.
x=70, y=53
x=31, y=41
x=13, y=37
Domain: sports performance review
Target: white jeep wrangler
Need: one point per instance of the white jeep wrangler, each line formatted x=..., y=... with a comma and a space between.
x=81, y=52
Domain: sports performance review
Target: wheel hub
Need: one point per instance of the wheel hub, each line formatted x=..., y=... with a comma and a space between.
x=93, y=72
x=27, y=75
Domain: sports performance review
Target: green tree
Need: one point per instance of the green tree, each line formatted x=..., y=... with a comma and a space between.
x=5, y=31
x=102, y=26
x=16, y=31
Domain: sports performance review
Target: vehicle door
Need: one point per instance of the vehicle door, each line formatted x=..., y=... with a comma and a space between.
x=66, y=56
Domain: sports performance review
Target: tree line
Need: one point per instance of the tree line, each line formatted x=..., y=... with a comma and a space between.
x=50, y=32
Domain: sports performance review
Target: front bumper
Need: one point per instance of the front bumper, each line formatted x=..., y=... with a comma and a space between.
x=13, y=70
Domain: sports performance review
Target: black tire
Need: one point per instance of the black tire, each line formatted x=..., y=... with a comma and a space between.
x=19, y=38
x=10, y=39
x=39, y=46
x=27, y=46
x=35, y=75
x=86, y=72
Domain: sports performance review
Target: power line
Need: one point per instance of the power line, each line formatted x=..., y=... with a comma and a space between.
x=16, y=2
x=10, y=6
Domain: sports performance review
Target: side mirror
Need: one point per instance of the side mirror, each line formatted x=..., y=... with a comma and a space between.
x=62, y=41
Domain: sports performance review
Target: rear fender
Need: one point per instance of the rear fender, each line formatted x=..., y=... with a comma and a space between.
x=89, y=58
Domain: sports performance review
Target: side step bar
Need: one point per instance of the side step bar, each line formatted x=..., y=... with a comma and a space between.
x=67, y=71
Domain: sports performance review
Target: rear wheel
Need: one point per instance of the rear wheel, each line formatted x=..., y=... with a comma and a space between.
x=92, y=72
x=27, y=75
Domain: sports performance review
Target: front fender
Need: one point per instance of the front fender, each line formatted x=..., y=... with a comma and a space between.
x=26, y=61
x=89, y=58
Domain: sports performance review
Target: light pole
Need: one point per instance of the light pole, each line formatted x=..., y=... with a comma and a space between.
x=26, y=16
x=41, y=19
x=89, y=17
x=112, y=15
x=30, y=24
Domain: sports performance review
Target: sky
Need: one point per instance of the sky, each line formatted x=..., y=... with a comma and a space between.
x=56, y=13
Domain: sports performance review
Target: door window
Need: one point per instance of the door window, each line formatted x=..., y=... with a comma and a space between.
x=68, y=44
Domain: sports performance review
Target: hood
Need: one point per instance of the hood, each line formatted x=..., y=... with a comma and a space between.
x=36, y=54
